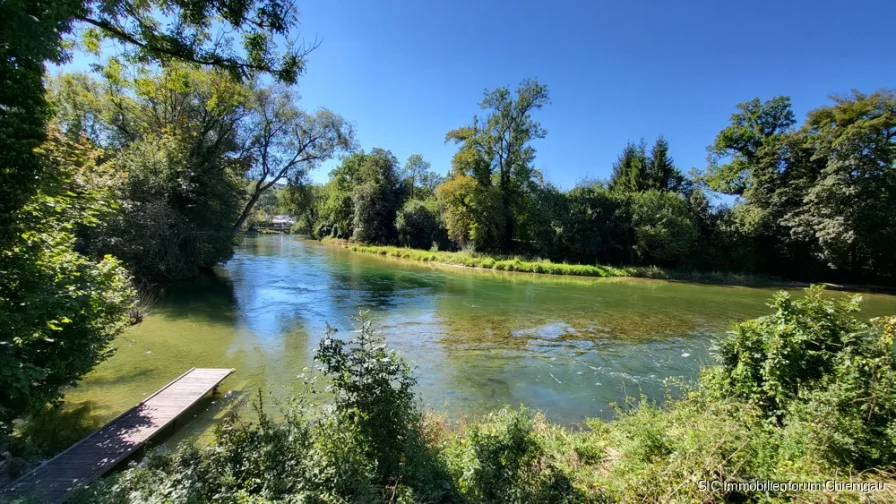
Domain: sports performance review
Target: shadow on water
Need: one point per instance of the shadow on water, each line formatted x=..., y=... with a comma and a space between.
x=130, y=376
x=56, y=428
x=209, y=296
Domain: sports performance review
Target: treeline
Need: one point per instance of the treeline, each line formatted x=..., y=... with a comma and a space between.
x=812, y=203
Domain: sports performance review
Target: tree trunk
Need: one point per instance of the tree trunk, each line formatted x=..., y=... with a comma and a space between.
x=246, y=211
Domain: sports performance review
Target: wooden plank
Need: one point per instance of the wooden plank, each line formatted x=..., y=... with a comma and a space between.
x=93, y=456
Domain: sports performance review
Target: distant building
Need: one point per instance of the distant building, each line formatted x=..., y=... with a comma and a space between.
x=283, y=221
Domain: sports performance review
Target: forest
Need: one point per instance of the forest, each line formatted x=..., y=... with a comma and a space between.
x=149, y=168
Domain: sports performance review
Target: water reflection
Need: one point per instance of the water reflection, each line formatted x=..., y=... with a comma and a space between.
x=569, y=346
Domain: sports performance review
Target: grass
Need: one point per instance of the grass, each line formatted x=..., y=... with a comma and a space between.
x=500, y=263
x=547, y=267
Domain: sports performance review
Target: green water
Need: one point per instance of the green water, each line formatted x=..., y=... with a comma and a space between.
x=567, y=346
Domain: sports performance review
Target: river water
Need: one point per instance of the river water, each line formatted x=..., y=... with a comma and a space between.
x=477, y=339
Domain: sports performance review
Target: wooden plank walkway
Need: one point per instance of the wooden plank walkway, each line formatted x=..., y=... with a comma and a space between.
x=96, y=454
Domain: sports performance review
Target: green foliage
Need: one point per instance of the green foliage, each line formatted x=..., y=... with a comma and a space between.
x=636, y=171
x=755, y=126
x=597, y=226
x=502, y=460
x=374, y=388
x=59, y=310
x=829, y=378
x=473, y=215
x=419, y=176
x=493, y=167
x=34, y=32
x=631, y=170
x=419, y=225
x=847, y=209
x=377, y=198
x=665, y=231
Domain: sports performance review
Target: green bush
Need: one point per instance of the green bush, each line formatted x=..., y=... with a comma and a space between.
x=826, y=376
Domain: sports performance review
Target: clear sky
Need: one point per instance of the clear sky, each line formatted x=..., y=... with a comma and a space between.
x=406, y=72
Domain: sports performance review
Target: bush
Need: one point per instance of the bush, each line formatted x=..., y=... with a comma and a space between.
x=665, y=230
x=816, y=369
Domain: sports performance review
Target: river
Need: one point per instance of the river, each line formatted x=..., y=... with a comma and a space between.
x=477, y=339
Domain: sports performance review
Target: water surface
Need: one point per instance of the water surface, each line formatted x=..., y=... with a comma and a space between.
x=477, y=339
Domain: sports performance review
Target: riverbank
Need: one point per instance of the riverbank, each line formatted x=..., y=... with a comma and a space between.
x=546, y=267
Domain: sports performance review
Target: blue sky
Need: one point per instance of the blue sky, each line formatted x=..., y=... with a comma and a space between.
x=407, y=72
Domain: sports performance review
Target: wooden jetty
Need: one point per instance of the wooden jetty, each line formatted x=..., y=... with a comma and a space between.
x=96, y=454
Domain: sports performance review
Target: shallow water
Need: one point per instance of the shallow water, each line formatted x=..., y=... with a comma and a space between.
x=477, y=339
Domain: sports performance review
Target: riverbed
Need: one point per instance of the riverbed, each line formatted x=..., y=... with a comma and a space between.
x=477, y=340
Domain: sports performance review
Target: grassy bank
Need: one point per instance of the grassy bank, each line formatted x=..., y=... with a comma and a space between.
x=778, y=407
x=506, y=263
x=545, y=266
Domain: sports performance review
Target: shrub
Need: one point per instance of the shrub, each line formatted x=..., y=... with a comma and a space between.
x=824, y=375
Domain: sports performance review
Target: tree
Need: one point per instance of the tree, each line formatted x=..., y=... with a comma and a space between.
x=473, y=213
x=59, y=310
x=497, y=147
x=420, y=177
x=847, y=207
x=665, y=231
x=376, y=200
x=753, y=127
x=631, y=171
x=287, y=142
x=419, y=225
x=198, y=32
x=178, y=138
x=661, y=169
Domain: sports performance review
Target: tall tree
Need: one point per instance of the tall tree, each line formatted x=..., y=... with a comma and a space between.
x=498, y=149
x=631, y=171
x=196, y=31
x=420, y=176
x=755, y=125
x=288, y=142
x=663, y=174
x=848, y=208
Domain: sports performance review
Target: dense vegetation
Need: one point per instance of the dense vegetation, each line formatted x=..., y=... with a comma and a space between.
x=764, y=412
x=136, y=176
x=812, y=203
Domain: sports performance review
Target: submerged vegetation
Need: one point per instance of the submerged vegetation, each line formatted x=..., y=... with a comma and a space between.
x=763, y=413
